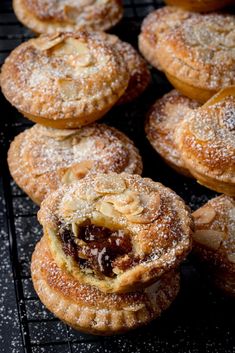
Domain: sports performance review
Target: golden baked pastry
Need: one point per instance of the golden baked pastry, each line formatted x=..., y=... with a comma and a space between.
x=198, y=55
x=206, y=140
x=200, y=5
x=140, y=76
x=155, y=26
x=49, y=16
x=41, y=159
x=64, y=80
x=162, y=124
x=117, y=232
x=87, y=309
x=214, y=240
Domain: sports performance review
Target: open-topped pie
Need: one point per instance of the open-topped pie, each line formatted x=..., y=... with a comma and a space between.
x=42, y=159
x=117, y=232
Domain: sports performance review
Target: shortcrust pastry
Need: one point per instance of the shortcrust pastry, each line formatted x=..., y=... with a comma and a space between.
x=41, y=159
x=87, y=309
x=49, y=16
x=214, y=240
x=117, y=232
x=200, y=5
x=64, y=80
x=198, y=56
x=206, y=140
x=155, y=26
x=162, y=125
x=140, y=76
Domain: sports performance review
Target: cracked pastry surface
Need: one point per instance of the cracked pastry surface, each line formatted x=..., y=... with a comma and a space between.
x=162, y=125
x=206, y=141
x=140, y=76
x=64, y=80
x=200, y=5
x=214, y=240
x=87, y=309
x=155, y=26
x=198, y=55
x=117, y=232
x=42, y=159
x=49, y=16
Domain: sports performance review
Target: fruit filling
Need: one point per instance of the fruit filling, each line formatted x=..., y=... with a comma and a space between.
x=96, y=248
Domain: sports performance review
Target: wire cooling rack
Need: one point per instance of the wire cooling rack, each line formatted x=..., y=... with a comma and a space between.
x=199, y=321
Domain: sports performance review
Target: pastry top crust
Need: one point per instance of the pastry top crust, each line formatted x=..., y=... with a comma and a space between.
x=139, y=73
x=156, y=25
x=86, y=308
x=207, y=140
x=160, y=21
x=66, y=75
x=200, y=51
x=53, y=157
x=163, y=121
x=151, y=223
x=214, y=235
x=47, y=16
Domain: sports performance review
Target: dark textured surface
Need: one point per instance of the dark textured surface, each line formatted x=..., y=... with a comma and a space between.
x=200, y=321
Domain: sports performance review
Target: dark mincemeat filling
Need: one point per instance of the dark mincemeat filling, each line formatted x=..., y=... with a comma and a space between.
x=100, y=248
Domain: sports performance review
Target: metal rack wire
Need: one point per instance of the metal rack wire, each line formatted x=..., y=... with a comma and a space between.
x=35, y=330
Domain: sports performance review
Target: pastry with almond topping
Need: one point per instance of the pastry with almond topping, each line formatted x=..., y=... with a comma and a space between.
x=200, y=5
x=163, y=121
x=41, y=159
x=49, y=16
x=156, y=25
x=64, y=80
x=195, y=51
x=206, y=141
x=87, y=309
x=214, y=243
x=140, y=76
x=116, y=232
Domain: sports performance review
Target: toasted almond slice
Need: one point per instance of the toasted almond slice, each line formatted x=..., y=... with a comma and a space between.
x=204, y=215
x=107, y=209
x=231, y=257
x=71, y=46
x=209, y=238
x=69, y=89
x=109, y=184
x=221, y=95
x=48, y=43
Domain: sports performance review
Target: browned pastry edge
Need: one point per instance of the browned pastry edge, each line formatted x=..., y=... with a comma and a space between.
x=91, y=311
x=213, y=244
x=38, y=186
x=198, y=5
x=105, y=17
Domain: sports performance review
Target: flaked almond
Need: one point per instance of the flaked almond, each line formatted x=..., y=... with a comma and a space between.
x=109, y=184
x=77, y=172
x=126, y=203
x=231, y=257
x=107, y=209
x=71, y=46
x=151, y=205
x=69, y=89
x=204, y=215
x=45, y=43
x=209, y=238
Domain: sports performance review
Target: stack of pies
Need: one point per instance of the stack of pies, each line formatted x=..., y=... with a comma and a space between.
x=108, y=260
x=112, y=241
